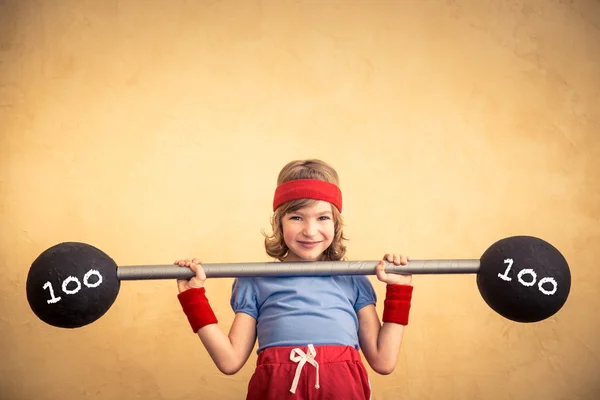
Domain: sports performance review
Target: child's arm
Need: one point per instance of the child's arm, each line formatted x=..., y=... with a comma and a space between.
x=228, y=352
x=381, y=343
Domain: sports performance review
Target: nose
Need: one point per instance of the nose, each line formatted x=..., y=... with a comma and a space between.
x=310, y=229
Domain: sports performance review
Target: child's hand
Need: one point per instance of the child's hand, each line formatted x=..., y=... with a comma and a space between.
x=195, y=281
x=393, y=279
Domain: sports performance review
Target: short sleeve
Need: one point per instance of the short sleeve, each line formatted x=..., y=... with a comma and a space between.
x=365, y=292
x=243, y=297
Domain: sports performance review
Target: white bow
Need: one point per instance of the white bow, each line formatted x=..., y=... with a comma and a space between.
x=298, y=356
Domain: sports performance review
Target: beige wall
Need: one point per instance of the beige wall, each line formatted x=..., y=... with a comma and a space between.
x=155, y=130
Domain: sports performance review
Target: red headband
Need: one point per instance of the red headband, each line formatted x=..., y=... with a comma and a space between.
x=307, y=189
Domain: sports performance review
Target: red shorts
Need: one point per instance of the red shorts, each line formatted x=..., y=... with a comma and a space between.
x=337, y=371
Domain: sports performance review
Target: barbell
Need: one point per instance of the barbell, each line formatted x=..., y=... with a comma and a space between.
x=522, y=278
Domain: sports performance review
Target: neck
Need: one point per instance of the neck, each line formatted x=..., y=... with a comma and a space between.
x=291, y=257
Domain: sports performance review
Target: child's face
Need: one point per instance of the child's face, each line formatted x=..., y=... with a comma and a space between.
x=308, y=232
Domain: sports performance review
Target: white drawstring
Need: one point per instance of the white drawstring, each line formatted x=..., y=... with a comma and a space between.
x=298, y=356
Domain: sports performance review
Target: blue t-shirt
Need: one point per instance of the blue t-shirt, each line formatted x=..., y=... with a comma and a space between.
x=296, y=311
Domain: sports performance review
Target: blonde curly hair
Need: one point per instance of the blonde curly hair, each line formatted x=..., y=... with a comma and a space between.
x=305, y=169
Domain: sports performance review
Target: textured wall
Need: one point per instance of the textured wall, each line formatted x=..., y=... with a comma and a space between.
x=155, y=130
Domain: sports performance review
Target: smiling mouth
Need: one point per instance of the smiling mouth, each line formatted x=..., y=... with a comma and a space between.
x=309, y=245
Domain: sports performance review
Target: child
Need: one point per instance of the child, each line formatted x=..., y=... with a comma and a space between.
x=319, y=320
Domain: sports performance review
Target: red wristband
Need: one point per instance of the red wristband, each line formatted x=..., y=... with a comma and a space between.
x=396, y=306
x=195, y=305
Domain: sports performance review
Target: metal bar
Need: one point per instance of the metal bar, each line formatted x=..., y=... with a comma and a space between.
x=301, y=268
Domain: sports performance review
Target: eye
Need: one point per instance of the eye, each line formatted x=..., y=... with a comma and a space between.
x=324, y=218
x=295, y=218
